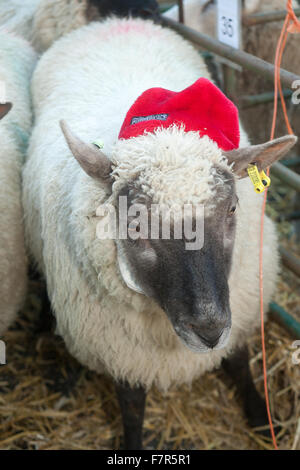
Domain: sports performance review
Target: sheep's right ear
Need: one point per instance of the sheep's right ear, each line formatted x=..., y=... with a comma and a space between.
x=263, y=155
x=4, y=109
x=94, y=162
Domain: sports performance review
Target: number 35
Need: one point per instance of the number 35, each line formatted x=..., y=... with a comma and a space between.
x=227, y=26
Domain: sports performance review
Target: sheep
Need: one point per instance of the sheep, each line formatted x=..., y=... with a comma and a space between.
x=17, y=61
x=261, y=41
x=53, y=19
x=126, y=308
x=136, y=8
x=58, y=17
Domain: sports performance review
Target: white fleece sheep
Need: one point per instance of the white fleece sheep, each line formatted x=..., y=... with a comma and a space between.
x=17, y=60
x=91, y=77
x=261, y=41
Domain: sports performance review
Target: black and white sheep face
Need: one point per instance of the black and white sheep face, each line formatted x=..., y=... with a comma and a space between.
x=146, y=9
x=191, y=285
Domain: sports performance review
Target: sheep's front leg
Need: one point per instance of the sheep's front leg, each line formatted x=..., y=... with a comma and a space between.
x=132, y=403
x=237, y=367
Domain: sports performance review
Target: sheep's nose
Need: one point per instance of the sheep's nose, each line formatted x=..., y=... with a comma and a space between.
x=208, y=334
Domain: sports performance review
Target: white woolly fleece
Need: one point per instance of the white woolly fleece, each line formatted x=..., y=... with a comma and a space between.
x=53, y=19
x=16, y=16
x=90, y=78
x=17, y=61
x=170, y=166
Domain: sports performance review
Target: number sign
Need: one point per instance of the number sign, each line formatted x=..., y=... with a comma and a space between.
x=229, y=22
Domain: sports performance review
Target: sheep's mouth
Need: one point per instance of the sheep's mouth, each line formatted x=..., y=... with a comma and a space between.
x=195, y=343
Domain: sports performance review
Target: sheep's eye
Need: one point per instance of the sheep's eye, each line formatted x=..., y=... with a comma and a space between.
x=232, y=210
x=134, y=226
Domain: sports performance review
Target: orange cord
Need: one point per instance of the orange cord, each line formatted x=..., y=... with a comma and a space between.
x=291, y=25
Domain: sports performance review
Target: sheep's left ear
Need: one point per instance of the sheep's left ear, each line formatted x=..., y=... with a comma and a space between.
x=94, y=162
x=263, y=155
x=4, y=109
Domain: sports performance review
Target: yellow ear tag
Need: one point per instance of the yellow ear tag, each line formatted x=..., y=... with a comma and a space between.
x=99, y=144
x=259, y=180
x=265, y=179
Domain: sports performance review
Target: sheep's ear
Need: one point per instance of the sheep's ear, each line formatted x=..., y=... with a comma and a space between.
x=263, y=155
x=94, y=162
x=4, y=109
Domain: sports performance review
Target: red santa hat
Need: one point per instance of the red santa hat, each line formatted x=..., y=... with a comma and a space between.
x=201, y=107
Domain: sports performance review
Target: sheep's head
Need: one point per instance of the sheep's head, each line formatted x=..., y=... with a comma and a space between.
x=146, y=9
x=186, y=272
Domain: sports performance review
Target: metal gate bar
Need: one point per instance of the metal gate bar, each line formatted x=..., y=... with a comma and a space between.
x=234, y=55
x=259, y=18
x=289, y=177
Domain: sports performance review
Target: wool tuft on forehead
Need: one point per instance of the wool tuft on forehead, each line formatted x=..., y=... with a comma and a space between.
x=172, y=166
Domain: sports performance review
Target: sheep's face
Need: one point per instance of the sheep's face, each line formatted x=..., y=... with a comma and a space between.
x=146, y=9
x=183, y=265
x=177, y=176
x=187, y=277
